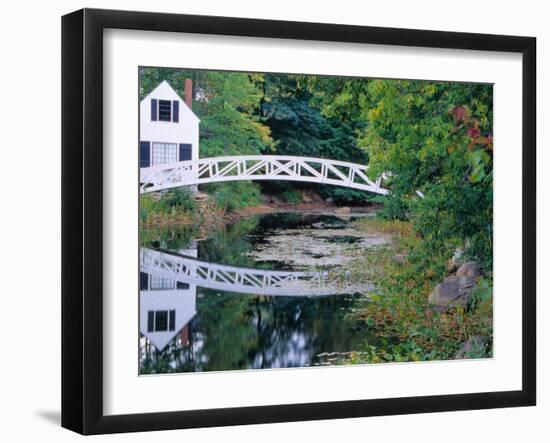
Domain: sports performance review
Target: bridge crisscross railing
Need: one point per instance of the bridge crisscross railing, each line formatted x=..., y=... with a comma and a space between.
x=258, y=167
x=244, y=280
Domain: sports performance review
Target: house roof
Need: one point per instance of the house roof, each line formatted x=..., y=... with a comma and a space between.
x=165, y=87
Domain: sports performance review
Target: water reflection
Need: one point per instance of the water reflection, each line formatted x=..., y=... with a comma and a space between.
x=188, y=270
x=166, y=304
x=199, y=315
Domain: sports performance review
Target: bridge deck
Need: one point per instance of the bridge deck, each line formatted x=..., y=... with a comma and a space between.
x=258, y=167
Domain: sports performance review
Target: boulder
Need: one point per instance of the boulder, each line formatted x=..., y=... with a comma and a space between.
x=200, y=196
x=314, y=196
x=452, y=292
x=469, y=269
x=400, y=258
x=342, y=210
x=265, y=198
x=451, y=267
x=473, y=347
x=329, y=200
x=456, y=260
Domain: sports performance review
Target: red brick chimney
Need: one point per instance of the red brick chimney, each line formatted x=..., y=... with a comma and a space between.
x=189, y=92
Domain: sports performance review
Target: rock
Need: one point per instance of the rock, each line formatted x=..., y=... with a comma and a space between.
x=469, y=269
x=306, y=198
x=342, y=210
x=199, y=196
x=452, y=292
x=276, y=200
x=456, y=260
x=329, y=200
x=400, y=258
x=451, y=266
x=472, y=348
x=266, y=199
x=314, y=196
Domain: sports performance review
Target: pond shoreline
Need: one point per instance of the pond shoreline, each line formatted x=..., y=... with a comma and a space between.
x=211, y=218
x=403, y=281
x=309, y=325
x=319, y=208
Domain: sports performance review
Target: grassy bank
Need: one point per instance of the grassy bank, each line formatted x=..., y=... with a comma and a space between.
x=221, y=203
x=168, y=208
x=399, y=313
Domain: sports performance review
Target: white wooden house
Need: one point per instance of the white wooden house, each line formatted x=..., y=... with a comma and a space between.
x=169, y=129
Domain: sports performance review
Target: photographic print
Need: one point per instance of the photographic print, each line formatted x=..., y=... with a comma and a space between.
x=290, y=221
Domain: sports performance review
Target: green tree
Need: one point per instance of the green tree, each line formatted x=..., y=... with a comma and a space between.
x=228, y=105
x=433, y=137
x=300, y=129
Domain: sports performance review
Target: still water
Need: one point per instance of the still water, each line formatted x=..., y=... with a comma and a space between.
x=265, y=292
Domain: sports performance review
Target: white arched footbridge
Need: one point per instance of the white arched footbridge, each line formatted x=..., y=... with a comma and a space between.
x=245, y=280
x=258, y=167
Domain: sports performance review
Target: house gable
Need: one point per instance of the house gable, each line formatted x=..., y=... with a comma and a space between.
x=172, y=138
x=165, y=92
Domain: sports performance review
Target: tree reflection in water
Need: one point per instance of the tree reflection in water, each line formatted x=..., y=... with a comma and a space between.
x=215, y=330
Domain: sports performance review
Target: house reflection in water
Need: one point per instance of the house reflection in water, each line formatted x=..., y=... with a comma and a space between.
x=166, y=307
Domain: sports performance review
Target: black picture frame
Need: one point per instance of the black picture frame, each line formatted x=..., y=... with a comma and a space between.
x=82, y=215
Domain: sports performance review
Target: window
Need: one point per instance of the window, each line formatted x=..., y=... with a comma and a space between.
x=161, y=283
x=159, y=321
x=165, y=153
x=165, y=110
x=181, y=285
x=186, y=151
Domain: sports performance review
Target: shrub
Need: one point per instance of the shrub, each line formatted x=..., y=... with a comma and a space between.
x=178, y=203
x=292, y=197
x=180, y=197
x=231, y=196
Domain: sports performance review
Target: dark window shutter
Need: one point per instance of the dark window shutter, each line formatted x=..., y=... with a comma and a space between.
x=154, y=109
x=144, y=154
x=150, y=321
x=175, y=111
x=143, y=281
x=185, y=151
x=172, y=321
x=181, y=285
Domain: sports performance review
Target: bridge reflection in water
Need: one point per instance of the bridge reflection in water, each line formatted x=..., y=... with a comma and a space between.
x=168, y=288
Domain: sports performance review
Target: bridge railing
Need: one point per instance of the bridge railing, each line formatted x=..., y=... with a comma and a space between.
x=258, y=167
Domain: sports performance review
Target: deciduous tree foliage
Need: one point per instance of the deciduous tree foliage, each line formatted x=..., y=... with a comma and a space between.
x=433, y=137
x=299, y=128
x=227, y=104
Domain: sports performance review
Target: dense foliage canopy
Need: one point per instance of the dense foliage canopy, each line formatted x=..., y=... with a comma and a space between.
x=434, y=138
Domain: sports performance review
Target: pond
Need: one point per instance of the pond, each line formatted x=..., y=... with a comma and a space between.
x=267, y=291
